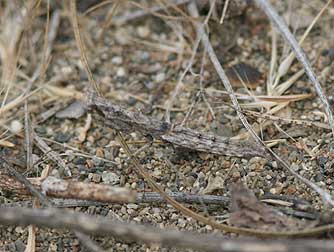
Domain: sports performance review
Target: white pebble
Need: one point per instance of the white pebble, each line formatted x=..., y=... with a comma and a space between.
x=160, y=77
x=273, y=190
x=15, y=126
x=66, y=70
x=120, y=72
x=117, y=60
x=143, y=31
x=274, y=164
x=110, y=178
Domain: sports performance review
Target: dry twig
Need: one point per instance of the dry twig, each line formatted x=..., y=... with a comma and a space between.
x=53, y=218
x=66, y=189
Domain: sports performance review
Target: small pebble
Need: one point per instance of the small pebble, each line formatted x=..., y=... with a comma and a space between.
x=53, y=247
x=16, y=126
x=20, y=246
x=122, y=36
x=99, y=152
x=236, y=174
x=272, y=190
x=145, y=56
x=79, y=161
x=66, y=70
x=19, y=230
x=132, y=206
x=120, y=72
x=291, y=190
x=110, y=178
x=62, y=137
x=117, y=60
x=274, y=164
x=96, y=178
x=181, y=223
x=160, y=77
x=143, y=31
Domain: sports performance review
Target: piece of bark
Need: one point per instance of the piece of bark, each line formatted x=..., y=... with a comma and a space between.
x=127, y=121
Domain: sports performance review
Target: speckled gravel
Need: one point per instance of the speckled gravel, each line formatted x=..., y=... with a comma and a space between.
x=138, y=66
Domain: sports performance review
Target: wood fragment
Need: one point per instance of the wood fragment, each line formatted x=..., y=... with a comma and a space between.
x=128, y=121
x=83, y=130
x=67, y=189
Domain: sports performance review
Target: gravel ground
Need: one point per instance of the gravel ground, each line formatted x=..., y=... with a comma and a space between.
x=138, y=65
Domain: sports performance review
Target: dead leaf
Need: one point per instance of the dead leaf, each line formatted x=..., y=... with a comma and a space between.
x=214, y=183
x=5, y=143
x=249, y=212
x=244, y=73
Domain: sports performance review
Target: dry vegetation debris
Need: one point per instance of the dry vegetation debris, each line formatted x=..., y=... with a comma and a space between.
x=114, y=108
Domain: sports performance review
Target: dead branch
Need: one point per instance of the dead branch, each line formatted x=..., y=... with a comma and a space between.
x=128, y=121
x=100, y=192
x=152, y=197
x=67, y=189
x=55, y=218
x=84, y=194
